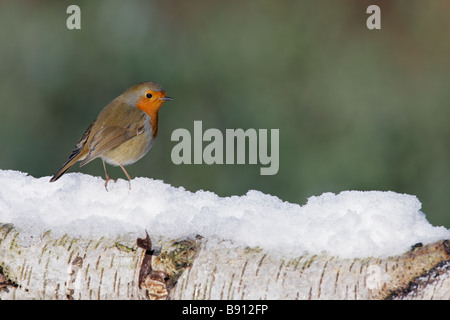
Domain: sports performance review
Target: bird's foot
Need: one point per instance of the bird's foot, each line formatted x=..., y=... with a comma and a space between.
x=107, y=180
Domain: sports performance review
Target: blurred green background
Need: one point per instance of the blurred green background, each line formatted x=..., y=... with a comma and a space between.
x=357, y=109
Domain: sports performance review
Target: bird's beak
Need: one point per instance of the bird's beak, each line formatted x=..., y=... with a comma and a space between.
x=166, y=99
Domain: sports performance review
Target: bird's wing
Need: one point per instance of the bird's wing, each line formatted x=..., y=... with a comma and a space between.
x=109, y=137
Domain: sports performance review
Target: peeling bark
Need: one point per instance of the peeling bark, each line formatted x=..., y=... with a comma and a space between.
x=123, y=268
x=154, y=282
x=68, y=268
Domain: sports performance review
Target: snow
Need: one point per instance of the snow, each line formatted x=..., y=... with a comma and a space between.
x=351, y=224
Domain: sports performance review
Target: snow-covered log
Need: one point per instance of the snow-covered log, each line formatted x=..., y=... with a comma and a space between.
x=68, y=268
x=73, y=240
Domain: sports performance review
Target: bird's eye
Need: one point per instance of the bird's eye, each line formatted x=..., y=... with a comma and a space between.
x=149, y=95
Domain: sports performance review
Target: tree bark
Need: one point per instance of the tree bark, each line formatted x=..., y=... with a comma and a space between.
x=127, y=268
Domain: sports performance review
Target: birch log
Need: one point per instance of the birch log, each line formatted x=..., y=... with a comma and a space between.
x=69, y=268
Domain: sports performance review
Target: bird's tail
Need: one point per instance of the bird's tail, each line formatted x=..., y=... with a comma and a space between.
x=78, y=153
x=74, y=157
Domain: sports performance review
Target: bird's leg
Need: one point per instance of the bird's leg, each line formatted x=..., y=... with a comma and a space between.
x=106, y=176
x=128, y=176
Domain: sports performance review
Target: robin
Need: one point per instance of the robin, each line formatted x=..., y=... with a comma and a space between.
x=123, y=132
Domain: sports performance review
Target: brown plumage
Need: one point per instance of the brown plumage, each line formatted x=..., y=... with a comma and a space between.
x=123, y=132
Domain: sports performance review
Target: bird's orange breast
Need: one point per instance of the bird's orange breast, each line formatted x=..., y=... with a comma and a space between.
x=151, y=107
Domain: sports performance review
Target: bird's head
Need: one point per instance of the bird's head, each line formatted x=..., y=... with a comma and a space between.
x=147, y=96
